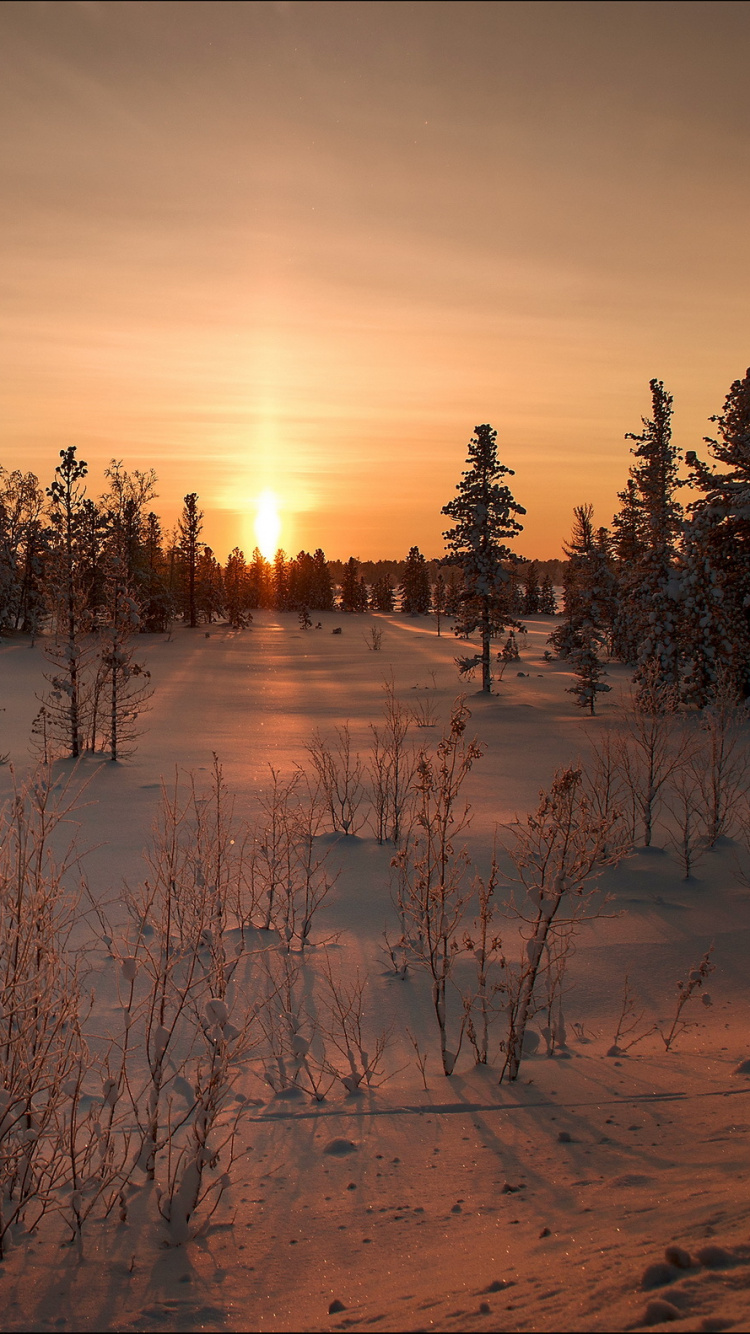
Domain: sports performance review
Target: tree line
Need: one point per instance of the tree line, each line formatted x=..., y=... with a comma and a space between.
x=665, y=589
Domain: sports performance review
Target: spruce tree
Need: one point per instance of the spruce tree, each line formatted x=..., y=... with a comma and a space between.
x=415, y=585
x=321, y=597
x=66, y=702
x=351, y=593
x=237, y=592
x=189, y=528
x=484, y=515
x=588, y=584
x=209, y=587
x=383, y=594
x=531, y=590
x=716, y=556
x=653, y=602
x=547, y=597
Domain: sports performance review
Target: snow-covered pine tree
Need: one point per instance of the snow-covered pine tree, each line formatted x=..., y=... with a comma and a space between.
x=415, y=585
x=484, y=514
x=237, y=591
x=158, y=606
x=383, y=596
x=531, y=590
x=583, y=656
x=209, y=587
x=23, y=544
x=654, y=599
x=588, y=584
x=628, y=550
x=716, y=556
x=547, y=597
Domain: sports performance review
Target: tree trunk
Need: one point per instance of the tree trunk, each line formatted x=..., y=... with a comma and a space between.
x=486, y=669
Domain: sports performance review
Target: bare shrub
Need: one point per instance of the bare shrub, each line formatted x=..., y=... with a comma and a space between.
x=629, y=1022
x=347, y=1058
x=392, y=765
x=684, y=801
x=340, y=774
x=685, y=992
x=373, y=638
x=652, y=747
x=431, y=880
x=41, y=1044
x=721, y=763
x=558, y=854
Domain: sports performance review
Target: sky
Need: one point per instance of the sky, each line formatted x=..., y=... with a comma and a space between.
x=307, y=247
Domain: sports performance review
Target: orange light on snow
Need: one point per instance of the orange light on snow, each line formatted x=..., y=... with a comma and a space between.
x=268, y=524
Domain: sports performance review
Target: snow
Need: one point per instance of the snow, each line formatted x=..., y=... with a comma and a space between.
x=388, y=1208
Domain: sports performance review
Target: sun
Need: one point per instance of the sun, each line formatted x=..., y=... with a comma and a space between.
x=268, y=524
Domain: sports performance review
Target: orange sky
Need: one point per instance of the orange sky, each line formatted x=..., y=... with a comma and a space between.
x=308, y=246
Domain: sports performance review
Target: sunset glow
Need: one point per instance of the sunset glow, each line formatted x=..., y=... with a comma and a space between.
x=268, y=524
x=442, y=226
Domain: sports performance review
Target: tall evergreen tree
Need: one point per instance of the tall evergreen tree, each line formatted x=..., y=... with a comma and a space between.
x=383, y=593
x=547, y=597
x=531, y=590
x=484, y=515
x=280, y=581
x=415, y=585
x=237, y=591
x=716, y=556
x=653, y=602
x=189, y=528
x=209, y=587
x=351, y=592
x=588, y=586
x=66, y=703
x=321, y=595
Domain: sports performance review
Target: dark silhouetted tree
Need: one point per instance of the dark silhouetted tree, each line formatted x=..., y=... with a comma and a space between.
x=484, y=515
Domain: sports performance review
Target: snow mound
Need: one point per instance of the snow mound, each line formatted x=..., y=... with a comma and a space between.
x=338, y=1148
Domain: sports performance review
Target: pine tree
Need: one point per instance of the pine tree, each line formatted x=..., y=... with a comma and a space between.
x=65, y=704
x=189, y=527
x=351, y=593
x=588, y=584
x=321, y=594
x=531, y=590
x=280, y=582
x=483, y=514
x=653, y=602
x=237, y=591
x=716, y=556
x=547, y=597
x=415, y=585
x=209, y=587
x=628, y=550
x=383, y=594
x=583, y=656
x=158, y=604
x=259, y=579
x=23, y=547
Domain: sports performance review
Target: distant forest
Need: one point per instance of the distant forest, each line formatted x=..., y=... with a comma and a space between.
x=665, y=588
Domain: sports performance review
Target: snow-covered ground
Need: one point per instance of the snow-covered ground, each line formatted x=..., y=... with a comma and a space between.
x=464, y=1205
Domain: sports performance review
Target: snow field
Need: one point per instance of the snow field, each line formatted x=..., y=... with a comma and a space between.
x=438, y=1208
